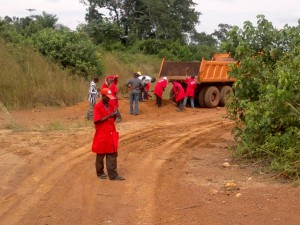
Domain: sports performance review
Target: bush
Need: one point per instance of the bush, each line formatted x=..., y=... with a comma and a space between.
x=27, y=80
x=72, y=50
x=265, y=104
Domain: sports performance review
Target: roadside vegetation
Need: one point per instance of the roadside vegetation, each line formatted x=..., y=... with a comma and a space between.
x=29, y=80
x=266, y=100
x=45, y=63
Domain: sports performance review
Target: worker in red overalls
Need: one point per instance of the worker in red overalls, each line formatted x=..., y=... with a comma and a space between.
x=179, y=95
x=190, y=91
x=106, y=137
x=159, y=89
x=110, y=79
x=114, y=102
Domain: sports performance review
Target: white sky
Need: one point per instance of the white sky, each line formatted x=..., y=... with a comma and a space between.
x=232, y=12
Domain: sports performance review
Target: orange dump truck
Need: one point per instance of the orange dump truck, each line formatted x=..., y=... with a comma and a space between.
x=213, y=82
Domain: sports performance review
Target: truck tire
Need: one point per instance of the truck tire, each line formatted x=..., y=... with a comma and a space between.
x=223, y=92
x=212, y=97
x=201, y=97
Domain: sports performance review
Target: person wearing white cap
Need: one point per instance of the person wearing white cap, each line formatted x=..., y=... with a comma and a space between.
x=159, y=89
x=146, y=84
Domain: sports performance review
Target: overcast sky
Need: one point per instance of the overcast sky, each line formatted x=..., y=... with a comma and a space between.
x=232, y=12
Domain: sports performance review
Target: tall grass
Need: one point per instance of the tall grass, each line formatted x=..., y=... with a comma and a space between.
x=125, y=64
x=28, y=80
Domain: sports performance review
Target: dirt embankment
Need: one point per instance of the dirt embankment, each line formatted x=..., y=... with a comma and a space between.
x=172, y=162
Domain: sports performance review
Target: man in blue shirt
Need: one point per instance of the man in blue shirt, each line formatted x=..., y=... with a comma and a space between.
x=135, y=85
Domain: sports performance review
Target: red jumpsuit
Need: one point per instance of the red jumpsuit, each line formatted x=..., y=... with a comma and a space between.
x=106, y=136
x=159, y=87
x=191, y=86
x=114, y=91
x=115, y=79
x=178, y=91
x=158, y=91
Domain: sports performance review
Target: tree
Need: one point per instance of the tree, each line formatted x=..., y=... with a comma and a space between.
x=203, y=39
x=221, y=34
x=29, y=25
x=142, y=19
x=103, y=32
x=73, y=50
x=265, y=101
x=46, y=20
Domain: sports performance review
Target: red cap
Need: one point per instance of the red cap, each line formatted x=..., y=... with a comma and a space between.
x=107, y=92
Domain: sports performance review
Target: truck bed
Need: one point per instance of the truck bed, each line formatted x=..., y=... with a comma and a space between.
x=205, y=71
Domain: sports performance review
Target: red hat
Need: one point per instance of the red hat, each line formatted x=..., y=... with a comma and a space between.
x=107, y=92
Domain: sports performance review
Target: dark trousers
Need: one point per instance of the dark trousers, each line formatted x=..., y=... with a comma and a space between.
x=158, y=101
x=111, y=164
x=180, y=105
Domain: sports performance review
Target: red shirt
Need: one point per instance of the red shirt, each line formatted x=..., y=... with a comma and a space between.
x=114, y=91
x=106, y=137
x=191, y=87
x=104, y=85
x=178, y=91
x=159, y=87
x=113, y=77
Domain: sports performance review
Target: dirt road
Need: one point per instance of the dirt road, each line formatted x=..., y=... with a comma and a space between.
x=172, y=162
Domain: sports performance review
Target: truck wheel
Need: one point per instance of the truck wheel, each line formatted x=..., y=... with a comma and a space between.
x=223, y=92
x=212, y=97
x=201, y=97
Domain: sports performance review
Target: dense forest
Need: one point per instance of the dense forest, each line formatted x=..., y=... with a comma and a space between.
x=265, y=103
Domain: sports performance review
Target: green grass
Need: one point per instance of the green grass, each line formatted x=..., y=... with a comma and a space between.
x=125, y=64
x=28, y=80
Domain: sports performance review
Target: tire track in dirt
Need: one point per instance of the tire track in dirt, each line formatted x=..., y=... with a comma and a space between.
x=38, y=184
x=130, y=202
x=55, y=179
x=179, y=169
x=153, y=161
x=170, y=160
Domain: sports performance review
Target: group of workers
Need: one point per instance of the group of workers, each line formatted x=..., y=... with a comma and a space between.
x=139, y=87
x=105, y=113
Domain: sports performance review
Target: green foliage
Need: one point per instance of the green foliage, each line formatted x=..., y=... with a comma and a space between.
x=222, y=32
x=149, y=46
x=143, y=19
x=28, y=80
x=29, y=25
x=202, y=51
x=73, y=50
x=174, y=50
x=10, y=33
x=125, y=64
x=266, y=97
x=104, y=33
